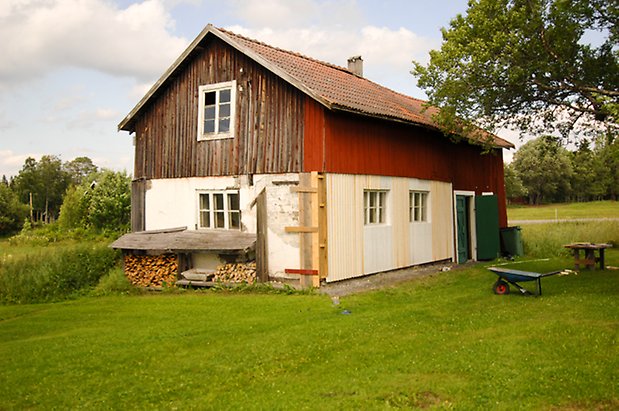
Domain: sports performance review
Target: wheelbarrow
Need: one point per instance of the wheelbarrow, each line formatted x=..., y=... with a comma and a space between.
x=510, y=276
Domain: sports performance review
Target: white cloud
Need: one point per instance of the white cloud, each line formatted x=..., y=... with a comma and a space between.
x=387, y=53
x=11, y=162
x=39, y=35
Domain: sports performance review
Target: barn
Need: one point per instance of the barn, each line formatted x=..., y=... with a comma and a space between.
x=247, y=151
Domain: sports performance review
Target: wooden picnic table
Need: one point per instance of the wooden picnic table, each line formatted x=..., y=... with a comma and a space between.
x=589, y=251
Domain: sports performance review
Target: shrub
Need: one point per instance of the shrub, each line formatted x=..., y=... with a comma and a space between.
x=114, y=282
x=46, y=277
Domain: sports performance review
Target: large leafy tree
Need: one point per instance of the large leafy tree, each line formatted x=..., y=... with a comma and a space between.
x=102, y=201
x=545, y=169
x=12, y=212
x=46, y=181
x=536, y=65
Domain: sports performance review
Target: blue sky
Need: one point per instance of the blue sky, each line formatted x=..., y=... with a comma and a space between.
x=72, y=69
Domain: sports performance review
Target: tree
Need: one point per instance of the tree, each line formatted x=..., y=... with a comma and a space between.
x=527, y=64
x=513, y=185
x=545, y=168
x=46, y=181
x=607, y=149
x=79, y=168
x=102, y=202
x=12, y=212
x=590, y=177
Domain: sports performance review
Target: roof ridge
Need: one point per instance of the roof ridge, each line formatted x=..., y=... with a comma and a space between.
x=293, y=53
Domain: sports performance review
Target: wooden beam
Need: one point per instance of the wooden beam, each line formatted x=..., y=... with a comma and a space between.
x=300, y=271
x=301, y=229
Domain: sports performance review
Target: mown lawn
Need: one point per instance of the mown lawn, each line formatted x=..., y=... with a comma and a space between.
x=593, y=209
x=442, y=342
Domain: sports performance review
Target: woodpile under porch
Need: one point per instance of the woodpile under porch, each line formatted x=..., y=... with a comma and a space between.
x=188, y=257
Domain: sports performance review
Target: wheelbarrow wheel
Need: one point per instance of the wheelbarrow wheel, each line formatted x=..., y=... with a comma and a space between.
x=501, y=288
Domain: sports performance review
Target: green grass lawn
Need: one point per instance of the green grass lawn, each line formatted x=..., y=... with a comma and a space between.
x=442, y=342
x=594, y=209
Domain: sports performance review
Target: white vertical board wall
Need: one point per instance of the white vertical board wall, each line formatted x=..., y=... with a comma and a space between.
x=355, y=249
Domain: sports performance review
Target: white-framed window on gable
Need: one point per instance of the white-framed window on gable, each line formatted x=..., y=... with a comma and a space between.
x=219, y=210
x=418, y=206
x=216, y=111
x=374, y=207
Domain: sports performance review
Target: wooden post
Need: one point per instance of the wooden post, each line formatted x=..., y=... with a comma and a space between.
x=262, y=248
x=31, y=211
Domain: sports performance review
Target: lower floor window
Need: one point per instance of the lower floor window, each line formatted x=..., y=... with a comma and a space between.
x=219, y=210
x=374, y=206
x=418, y=206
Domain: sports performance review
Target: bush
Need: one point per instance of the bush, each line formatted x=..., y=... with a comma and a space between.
x=47, y=277
x=114, y=282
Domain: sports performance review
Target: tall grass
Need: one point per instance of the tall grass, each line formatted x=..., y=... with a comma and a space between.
x=547, y=240
x=53, y=276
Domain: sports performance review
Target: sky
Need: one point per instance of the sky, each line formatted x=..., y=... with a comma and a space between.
x=71, y=70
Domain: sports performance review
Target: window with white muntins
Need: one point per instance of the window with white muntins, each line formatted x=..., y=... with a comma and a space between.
x=418, y=206
x=374, y=206
x=216, y=110
x=219, y=210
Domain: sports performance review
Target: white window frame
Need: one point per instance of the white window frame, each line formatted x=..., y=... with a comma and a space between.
x=227, y=211
x=374, y=207
x=418, y=206
x=216, y=88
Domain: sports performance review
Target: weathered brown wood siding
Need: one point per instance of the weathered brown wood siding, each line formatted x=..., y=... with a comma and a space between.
x=269, y=121
x=352, y=144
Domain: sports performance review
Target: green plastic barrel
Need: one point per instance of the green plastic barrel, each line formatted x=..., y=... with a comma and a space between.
x=511, y=241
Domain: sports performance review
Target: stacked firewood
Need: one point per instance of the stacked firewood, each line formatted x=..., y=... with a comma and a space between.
x=151, y=270
x=236, y=273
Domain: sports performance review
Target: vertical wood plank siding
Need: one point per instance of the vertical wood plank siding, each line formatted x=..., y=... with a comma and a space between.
x=269, y=121
x=356, y=145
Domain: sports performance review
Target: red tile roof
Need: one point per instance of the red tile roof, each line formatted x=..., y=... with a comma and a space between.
x=333, y=86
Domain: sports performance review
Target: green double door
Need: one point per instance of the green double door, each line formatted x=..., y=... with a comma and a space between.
x=486, y=227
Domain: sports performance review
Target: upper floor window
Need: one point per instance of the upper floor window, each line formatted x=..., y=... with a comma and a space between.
x=418, y=206
x=374, y=206
x=217, y=104
x=218, y=209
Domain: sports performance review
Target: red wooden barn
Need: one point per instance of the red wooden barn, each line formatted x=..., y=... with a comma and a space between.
x=336, y=176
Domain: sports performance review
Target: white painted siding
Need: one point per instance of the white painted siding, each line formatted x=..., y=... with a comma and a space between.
x=355, y=249
x=173, y=202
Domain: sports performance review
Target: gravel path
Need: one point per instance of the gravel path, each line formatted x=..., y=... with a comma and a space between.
x=387, y=279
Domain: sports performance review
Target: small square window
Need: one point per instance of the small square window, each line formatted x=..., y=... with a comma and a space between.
x=217, y=110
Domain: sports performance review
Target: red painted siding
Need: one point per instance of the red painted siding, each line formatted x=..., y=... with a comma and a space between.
x=351, y=144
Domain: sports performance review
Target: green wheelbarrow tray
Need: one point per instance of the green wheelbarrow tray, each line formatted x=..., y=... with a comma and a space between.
x=510, y=276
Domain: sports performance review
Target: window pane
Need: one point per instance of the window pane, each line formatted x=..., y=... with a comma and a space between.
x=372, y=195
x=218, y=200
x=233, y=201
x=224, y=95
x=220, y=219
x=204, y=203
x=209, y=98
x=235, y=218
x=205, y=221
x=224, y=110
x=224, y=125
x=209, y=126
x=209, y=112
